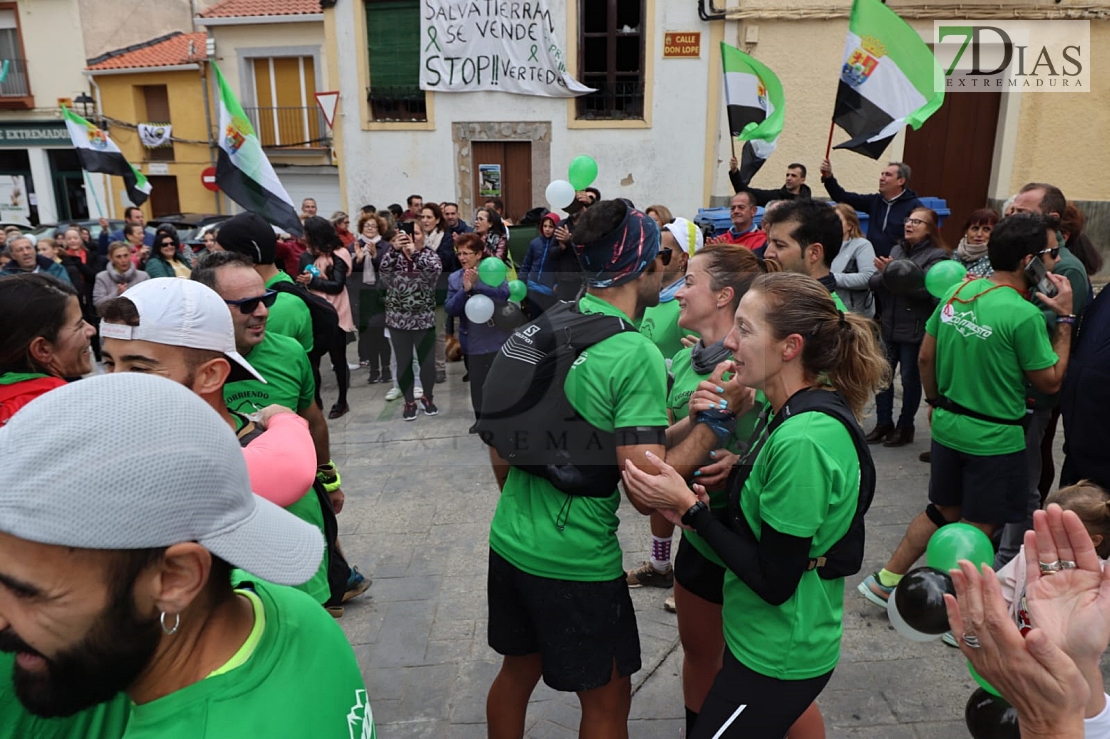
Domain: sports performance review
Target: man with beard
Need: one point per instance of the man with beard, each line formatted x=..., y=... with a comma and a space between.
x=805, y=237
x=558, y=599
x=117, y=580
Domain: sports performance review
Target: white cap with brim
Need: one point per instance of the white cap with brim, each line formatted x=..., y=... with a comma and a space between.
x=689, y=237
x=183, y=313
x=160, y=468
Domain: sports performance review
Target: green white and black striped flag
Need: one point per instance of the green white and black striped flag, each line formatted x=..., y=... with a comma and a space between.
x=888, y=79
x=98, y=153
x=242, y=169
x=756, y=107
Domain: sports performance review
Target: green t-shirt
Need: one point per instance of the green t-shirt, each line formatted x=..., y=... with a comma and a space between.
x=839, y=303
x=105, y=721
x=660, y=324
x=805, y=483
x=289, y=381
x=686, y=381
x=617, y=383
x=301, y=681
x=986, y=340
x=289, y=316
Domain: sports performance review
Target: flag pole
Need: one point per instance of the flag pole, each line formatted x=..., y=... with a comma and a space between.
x=732, y=143
x=828, y=146
x=88, y=183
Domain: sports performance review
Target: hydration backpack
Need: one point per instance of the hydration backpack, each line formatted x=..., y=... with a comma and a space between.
x=325, y=320
x=525, y=412
x=845, y=557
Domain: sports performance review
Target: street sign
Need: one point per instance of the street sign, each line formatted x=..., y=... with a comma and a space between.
x=208, y=179
x=328, y=101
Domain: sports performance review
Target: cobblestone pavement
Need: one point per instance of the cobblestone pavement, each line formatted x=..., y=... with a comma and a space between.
x=419, y=500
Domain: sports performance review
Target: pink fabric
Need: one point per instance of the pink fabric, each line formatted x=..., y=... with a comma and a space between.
x=281, y=462
x=340, y=300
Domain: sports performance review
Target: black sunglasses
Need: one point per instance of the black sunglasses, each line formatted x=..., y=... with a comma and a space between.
x=665, y=255
x=1053, y=252
x=250, y=305
x=168, y=243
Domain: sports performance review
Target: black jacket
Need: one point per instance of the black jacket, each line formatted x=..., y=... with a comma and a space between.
x=884, y=229
x=333, y=281
x=903, y=316
x=762, y=197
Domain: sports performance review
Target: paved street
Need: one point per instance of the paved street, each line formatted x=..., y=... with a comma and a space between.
x=419, y=500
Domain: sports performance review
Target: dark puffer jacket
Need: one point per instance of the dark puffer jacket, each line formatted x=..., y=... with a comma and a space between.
x=904, y=315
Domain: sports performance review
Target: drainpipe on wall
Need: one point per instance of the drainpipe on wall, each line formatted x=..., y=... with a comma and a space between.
x=210, y=51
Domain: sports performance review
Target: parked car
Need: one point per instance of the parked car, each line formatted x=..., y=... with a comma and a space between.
x=49, y=229
x=188, y=225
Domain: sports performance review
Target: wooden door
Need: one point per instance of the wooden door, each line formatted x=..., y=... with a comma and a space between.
x=503, y=167
x=163, y=195
x=951, y=156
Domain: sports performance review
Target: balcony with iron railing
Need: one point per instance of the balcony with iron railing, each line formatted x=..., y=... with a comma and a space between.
x=290, y=127
x=15, y=84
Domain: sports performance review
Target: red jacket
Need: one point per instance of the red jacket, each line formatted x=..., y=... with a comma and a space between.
x=18, y=394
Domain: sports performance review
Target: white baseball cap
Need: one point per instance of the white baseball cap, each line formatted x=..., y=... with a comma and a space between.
x=180, y=312
x=689, y=237
x=195, y=487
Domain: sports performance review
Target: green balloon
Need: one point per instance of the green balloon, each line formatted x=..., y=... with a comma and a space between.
x=492, y=271
x=943, y=276
x=582, y=172
x=979, y=679
x=517, y=290
x=958, y=541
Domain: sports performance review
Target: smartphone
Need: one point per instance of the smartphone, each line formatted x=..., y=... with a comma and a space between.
x=1038, y=276
x=408, y=227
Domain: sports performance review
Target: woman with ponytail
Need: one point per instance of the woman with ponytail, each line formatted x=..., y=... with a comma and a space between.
x=791, y=500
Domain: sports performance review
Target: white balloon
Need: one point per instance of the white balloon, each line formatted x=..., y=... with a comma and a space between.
x=559, y=194
x=479, y=308
x=900, y=624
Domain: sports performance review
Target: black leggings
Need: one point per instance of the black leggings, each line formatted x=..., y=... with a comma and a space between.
x=338, y=355
x=424, y=342
x=744, y=703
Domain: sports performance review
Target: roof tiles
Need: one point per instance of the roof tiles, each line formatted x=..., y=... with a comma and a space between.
x=181, y=48
x=251, y=8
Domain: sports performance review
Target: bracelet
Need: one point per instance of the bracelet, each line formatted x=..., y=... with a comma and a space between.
x=721, y=422
x=1070, y=319
x=688, y=516
x=328, y=475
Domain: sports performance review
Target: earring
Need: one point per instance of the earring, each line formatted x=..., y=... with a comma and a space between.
x=176, y=623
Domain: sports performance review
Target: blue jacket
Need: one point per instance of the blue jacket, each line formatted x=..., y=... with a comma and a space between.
x=538, y=271
x=484, y=338
x=885, y=226
x=43, y=264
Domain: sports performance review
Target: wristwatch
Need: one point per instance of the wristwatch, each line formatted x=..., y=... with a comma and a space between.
x=688, y=516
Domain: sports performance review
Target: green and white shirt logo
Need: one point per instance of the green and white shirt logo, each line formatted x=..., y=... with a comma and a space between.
x=965, y=322
x=360, y=721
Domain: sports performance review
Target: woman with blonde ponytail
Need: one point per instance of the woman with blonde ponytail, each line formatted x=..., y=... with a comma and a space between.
x=791, y=500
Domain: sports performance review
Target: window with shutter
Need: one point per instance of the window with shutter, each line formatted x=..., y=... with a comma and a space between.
x=393, y=38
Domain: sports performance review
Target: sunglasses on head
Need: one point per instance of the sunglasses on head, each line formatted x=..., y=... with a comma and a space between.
x=250, y=305
x=665, y=255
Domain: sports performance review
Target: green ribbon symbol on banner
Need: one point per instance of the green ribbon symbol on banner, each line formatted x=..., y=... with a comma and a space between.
x=533, y=57
x=432, y=39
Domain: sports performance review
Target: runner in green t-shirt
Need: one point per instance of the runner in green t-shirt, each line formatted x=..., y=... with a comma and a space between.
x=558, y=600
x=782, y=620
x=716, y=279
x=135, y=631
x=982, y=342
x=289, y=382
x=289, y=315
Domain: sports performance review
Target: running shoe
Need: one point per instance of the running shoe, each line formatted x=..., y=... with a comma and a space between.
x=357, y=584
x=874, y=590
x=393, y=394
x=646, y=575
x=429, y=407
x=410, y=412
x=950, y=640
x=668, y=605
